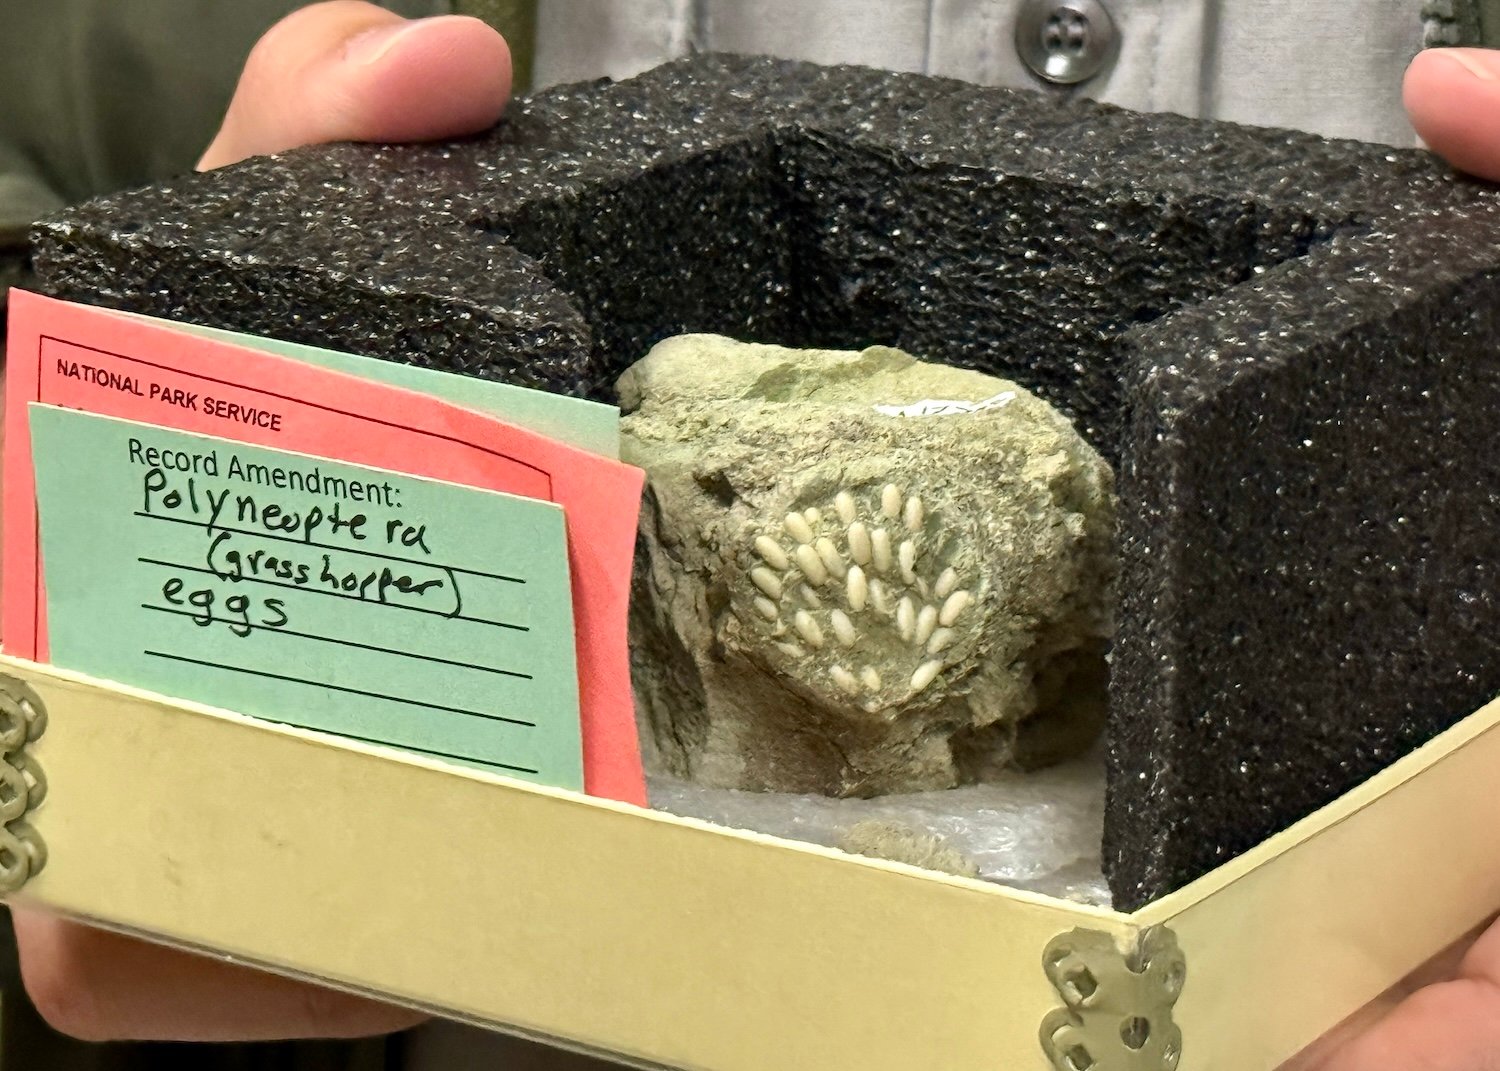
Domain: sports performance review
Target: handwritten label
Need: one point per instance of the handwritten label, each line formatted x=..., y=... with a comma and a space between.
x=372, y=604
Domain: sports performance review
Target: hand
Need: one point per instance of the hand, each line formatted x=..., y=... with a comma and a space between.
x=1445, y=1017
x=100, y=986
x=350, y=71
x=338, y=71
x=1453, y=98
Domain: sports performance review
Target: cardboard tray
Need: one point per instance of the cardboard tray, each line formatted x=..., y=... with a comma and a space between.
x=668, y=942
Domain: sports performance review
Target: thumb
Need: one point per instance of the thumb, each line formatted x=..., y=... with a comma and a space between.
x=350, y=71
x=1451, y=1025
x=1453, y=98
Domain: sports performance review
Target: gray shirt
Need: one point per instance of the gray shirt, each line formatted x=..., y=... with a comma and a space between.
x=96, y=94
x=1330, y=66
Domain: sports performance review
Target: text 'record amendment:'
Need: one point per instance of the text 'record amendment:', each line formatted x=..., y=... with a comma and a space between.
x=378, y=606
x=335, y=411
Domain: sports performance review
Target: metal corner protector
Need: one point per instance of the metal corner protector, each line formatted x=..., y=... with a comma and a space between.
x=23, y=719
x=1118, y=1003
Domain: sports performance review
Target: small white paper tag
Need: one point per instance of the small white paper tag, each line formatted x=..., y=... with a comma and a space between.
x=934, y=407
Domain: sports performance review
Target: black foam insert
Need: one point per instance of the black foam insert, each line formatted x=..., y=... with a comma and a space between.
x=1286, y=344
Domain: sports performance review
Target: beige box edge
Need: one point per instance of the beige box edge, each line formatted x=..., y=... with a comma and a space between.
x=679, y=944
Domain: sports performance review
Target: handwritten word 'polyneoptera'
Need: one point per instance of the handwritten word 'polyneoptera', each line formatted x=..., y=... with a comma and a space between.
x=307, y=525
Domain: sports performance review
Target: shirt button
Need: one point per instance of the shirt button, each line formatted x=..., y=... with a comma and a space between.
x=1065, y=41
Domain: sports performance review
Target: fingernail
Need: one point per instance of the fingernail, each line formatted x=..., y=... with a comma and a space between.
x=1480, y=63
x=371, y=45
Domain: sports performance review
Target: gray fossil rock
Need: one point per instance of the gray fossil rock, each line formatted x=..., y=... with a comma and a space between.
x=859, y=573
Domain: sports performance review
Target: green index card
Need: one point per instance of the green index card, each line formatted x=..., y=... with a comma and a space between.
x=380, y=606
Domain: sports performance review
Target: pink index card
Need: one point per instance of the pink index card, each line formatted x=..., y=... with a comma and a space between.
x=90, y=359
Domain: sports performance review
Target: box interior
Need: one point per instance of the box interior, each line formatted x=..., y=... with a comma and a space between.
x=823, y=242
x=826, y=243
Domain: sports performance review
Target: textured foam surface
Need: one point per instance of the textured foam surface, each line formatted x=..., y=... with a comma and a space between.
x=1287, y=344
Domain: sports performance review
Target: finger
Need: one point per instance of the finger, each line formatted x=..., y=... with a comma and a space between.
x=350, y=71
x=1450, y=1026
x=1453, y=98
x=1443, y=967
x=101, y=986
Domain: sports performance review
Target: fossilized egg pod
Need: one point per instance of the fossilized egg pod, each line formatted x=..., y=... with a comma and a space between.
x=941, y=640
x=845, y=680
x=914, y=514
x=771, y=553
x=906, y=558
x=767, y=580
x=927, y=620
x=880, y=550
x=811, y=565
x=832, y=560
x=953, y=609
x=857, y=588
x=906, y=618
x=926, y=673
x=859, y=543
x=890, y=501
x=808, y=628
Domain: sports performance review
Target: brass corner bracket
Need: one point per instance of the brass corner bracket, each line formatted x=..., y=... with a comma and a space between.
x=23, y=719
x=1118, y=1014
